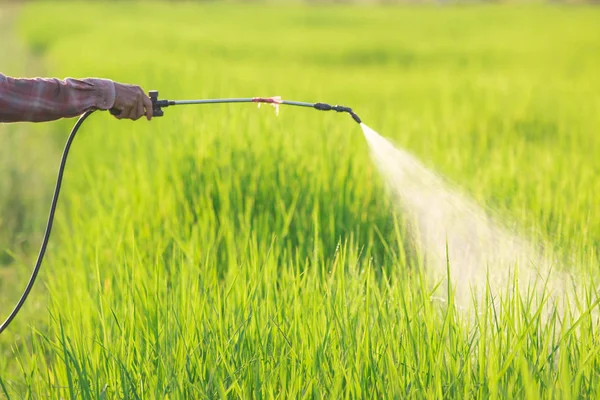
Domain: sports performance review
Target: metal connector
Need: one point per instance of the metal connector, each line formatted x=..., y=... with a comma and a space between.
x=329, y=107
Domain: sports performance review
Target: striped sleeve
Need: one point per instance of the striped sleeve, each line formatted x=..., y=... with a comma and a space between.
x=48, y=99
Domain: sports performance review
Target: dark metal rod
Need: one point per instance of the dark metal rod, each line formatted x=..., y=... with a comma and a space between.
x=159, y=104
x=210, y=101
x=297, y=103
x=238, y=100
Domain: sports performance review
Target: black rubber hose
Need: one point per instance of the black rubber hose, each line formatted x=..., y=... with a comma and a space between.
x=49, y=224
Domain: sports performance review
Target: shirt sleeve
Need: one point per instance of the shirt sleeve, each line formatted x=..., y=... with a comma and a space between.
x=49, y=99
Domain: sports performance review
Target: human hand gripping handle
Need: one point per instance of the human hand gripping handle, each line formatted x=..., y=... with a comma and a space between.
x=131, y=103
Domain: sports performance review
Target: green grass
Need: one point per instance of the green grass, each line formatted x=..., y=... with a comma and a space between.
x=222, y=251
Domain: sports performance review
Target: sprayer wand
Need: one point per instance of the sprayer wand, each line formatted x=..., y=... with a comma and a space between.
x=157, y=111
x=158, y=105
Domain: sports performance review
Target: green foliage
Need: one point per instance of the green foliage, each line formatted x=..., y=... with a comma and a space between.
x=222, y=251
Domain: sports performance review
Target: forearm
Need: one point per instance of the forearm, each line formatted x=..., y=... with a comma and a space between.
x=48, y=99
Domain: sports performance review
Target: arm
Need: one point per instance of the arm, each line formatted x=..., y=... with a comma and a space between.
x=49, y=99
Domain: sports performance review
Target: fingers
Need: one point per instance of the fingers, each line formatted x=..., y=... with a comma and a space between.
x=122, y=113
x=126, y=113
x=148, y=105
x=133, y=113
x=132, y=102
x=140, y=108
x=136, y=109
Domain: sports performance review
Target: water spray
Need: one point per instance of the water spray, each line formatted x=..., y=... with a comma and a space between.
x=157, y=111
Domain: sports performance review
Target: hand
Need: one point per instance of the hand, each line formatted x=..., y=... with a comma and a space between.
x=132, y=102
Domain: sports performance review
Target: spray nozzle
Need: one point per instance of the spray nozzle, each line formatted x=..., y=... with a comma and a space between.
x=329, y=107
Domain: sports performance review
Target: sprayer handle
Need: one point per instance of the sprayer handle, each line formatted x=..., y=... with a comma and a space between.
x=156, y=107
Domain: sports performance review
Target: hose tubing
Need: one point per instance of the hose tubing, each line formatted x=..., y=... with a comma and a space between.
x=49, y=224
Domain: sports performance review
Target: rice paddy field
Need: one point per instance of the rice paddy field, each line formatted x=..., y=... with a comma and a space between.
x=225, y=252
